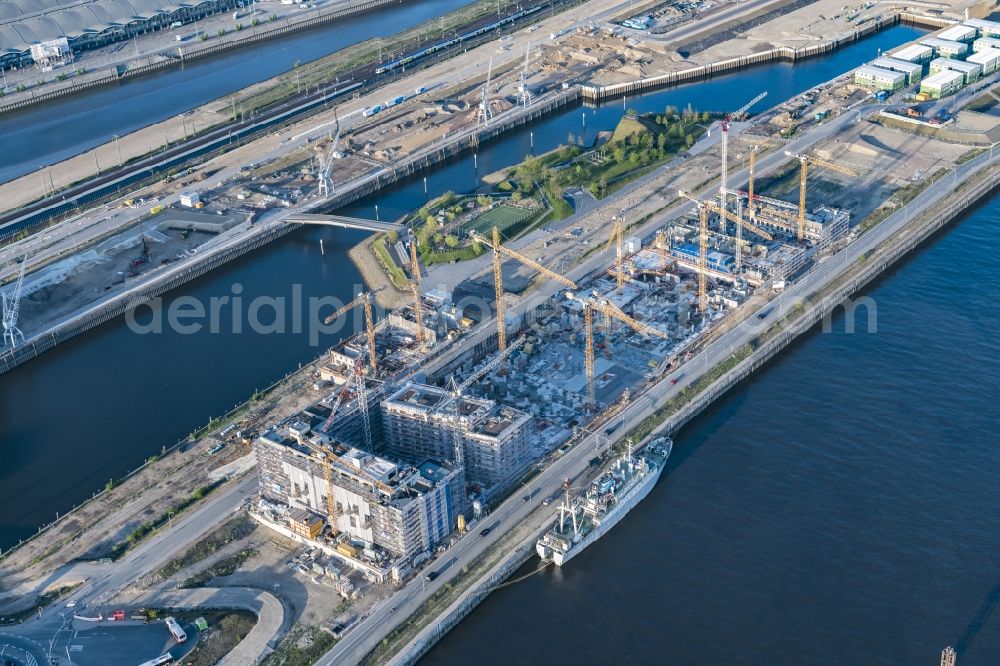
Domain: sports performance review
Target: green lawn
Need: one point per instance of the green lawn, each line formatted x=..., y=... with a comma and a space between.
x=502, y=217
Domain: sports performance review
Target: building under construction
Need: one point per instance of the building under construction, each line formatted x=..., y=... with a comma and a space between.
x=382, y=509
x=492, y=440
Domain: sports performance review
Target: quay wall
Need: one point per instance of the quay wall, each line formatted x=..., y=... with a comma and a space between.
x=209, y=260
x=593, y=93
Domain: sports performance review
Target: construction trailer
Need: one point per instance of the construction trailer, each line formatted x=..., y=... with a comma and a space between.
x=945, y=48
x=877, y=78
x=942, y=84
x=917, y=53
x=970, y=71
x=985, y=44
x=958, y=33
x=911, y=70
x=983, y=27
x=989, y=60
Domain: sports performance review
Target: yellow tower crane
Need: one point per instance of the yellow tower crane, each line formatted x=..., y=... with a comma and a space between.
x=751, y=208
x=804, y=161
x=617, y=237
x=364, y=299
x=499, y=250
x=729, y=215
x=601, y=304
x=415, y=286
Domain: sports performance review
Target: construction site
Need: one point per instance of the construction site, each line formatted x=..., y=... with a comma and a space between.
x=564, y=301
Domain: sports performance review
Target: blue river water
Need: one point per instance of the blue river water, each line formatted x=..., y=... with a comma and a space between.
x=102, y=403
x=839, y=507
x=46, y=134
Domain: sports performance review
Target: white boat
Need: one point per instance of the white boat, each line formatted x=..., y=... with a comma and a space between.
x=585, y=519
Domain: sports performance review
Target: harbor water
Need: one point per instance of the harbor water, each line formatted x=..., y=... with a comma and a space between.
x=104, y=402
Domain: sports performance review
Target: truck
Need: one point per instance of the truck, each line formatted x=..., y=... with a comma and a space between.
x=371, y=111
x=175, y=630
x=398, y=99
x=156, y=209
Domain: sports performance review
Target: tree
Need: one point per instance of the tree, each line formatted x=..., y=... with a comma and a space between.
x=661, y=141
x=618, y=154
x=451, y=240
x=515, y=196
x=689, y=140
x=483, y=201
x=706, y=117
x=571, y=138
x=392, y=236
x=604, y=184
x=671, y=112
x=689, y=113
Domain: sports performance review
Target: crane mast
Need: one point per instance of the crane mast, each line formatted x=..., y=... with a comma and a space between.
x=804, y=161
x=364, y=299
x=617, y=237
x=415, y=286
x=499, y=249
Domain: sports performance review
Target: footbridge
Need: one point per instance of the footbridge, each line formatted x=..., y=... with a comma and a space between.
x=343, y=221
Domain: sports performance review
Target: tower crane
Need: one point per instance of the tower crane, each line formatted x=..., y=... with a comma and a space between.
x=735, y=219
x=325, y=184
x=415, y=286
x=364, y=299
x=804, y=161
x=498, y=250
x=602, y=304
x=617, y=234
x=11, y=308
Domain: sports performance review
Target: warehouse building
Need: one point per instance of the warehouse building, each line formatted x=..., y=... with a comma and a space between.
x=985, y=44
x=391, y=509
x=984, y=28
x=958, y=33
x=90, y=24
x=917, y=53
x=421, y=421
x=911, y=70
x=942, y=84
x=947, y=49
x=970, y=71
x=988, y=60
x=877, y=78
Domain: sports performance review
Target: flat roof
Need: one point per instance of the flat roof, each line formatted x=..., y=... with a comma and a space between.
x=879, y=72
x=957, y=65
x=942, y=77
x=938, y=43
x=990, y=42
x=956, y=32
x=982, y=23
x=912, y=51
x=896, y=64
x=983, y=57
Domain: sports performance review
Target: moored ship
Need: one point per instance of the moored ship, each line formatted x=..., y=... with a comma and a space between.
x=583, y=520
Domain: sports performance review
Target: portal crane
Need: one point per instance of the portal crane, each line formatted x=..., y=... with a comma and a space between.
x=325, y=184
x=485, y=112
x=12, y=308
x=364, y=299
x=499, y=249
x=804, y=161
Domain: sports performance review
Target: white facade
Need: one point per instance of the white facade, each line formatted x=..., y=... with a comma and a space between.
x=985, y=44
x=970, y=71
x=958, y=33
x=946, y=48
x=988, y=60
x=914, y=53
x=984, y=28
